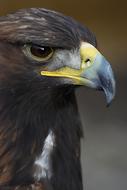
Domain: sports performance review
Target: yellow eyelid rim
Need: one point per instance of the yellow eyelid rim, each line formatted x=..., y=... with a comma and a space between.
x=27, y=52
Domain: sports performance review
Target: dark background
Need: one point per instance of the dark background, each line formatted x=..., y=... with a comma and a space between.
x=104, y=152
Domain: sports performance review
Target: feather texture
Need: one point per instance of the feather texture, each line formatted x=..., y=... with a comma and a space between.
x=31, y=105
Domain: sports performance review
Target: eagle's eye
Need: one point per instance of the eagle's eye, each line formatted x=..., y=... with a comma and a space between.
x=38, y=53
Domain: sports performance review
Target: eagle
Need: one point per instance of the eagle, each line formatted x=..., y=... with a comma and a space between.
x=44, y=57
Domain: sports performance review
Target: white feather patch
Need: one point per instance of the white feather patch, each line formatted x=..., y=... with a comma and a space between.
x=43, y=162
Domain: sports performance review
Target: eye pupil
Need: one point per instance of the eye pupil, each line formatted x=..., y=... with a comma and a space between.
x=40, y=52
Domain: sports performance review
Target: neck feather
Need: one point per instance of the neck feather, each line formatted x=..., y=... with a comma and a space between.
x=25, y=123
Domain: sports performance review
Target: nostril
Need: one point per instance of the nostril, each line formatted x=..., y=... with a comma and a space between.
x=86, y=63
x=87, y=60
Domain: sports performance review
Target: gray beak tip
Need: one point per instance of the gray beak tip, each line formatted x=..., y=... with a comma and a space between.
x=107, y=81
x=109, y=93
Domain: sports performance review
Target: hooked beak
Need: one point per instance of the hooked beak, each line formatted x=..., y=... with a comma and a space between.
x=94, y=72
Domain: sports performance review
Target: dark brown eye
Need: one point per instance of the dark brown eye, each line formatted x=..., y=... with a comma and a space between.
x=39, y=53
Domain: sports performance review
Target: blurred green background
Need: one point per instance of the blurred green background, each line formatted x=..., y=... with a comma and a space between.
x=104, y=152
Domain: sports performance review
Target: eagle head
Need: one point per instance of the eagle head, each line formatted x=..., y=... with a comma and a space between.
x=42, y=46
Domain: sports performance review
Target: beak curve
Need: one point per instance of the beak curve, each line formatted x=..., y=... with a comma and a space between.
x=94, y=71
x=101, y=77
x=107, y=82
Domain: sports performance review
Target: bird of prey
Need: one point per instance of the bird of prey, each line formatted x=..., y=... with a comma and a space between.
x=44, y=57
